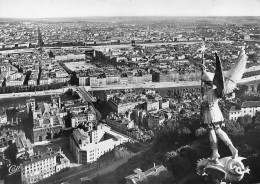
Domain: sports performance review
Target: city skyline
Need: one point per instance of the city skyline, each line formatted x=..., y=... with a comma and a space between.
x=109, y=8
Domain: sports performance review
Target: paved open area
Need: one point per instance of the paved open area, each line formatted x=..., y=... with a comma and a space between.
x=82, y=65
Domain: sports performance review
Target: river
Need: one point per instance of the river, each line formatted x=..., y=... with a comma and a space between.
x=15, y=102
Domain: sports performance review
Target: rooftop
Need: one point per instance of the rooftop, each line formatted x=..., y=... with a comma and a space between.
x=80, y=134
x=250, y=104
x=39, y=157
x=140, y=175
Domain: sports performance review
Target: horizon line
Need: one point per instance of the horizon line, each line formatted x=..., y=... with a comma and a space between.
x=124, y=16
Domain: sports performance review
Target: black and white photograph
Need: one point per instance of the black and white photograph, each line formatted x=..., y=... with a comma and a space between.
x=130, y=91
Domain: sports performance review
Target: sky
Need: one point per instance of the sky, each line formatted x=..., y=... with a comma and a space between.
x=85, y=8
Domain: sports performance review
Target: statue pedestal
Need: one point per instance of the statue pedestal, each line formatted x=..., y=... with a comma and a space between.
x=228, y=170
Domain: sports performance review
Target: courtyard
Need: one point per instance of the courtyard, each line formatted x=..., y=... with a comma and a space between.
x=77, y=66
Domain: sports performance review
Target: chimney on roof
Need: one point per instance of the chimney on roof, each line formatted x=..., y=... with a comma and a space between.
x=154, y=167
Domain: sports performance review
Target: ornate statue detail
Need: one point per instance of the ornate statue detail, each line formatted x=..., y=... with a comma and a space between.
x=215, y=86
x=229, y=170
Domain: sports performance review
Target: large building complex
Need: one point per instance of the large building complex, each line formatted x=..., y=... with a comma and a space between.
x=88, y=146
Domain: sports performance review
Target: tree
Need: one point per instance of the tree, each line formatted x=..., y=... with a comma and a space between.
x=245, y=121
x=234, y=128
x=257, y=118
x=241, y=91
x=200, y=132
x=39, y=75
x=4, y=82
x=181, y=161
x=28, y=74
x=162, y=177
x=51, y=55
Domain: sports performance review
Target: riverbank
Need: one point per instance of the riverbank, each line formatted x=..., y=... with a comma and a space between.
x=150, y=85
x=36, y=93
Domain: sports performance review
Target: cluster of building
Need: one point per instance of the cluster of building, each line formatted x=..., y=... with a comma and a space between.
x=30, y=68
x=247, y=108
x=24, y=34
x=152, y=55
x=49, y=118
x=161, y=63
x=89, y=140
x=10, y=137
x=132, y=65
x=32, y=166
x=139, y=115
x=10, y=75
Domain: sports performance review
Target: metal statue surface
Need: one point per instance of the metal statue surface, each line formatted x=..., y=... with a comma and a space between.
x=229, y=170
x=215, y=86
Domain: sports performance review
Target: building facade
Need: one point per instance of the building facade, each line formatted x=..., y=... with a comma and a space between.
x=248, y=108
x=88, y=146
x=43, y=165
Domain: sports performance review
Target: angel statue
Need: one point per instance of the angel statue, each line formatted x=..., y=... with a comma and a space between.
x=215, y=87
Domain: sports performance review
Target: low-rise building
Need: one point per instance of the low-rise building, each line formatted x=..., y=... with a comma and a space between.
x=121, y=106
x=120, y=125
x=164, y=104
x=70, y=57
x=233, y=113
x=23, y=145
x=154, y=120
x=3, y=118
x=140, y=175
x=151, y=105
x=248, y=108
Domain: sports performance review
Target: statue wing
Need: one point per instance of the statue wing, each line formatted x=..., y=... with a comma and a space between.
x=218, y=79
x=235, y=74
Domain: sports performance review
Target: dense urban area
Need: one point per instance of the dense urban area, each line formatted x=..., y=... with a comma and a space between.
x=118, y=100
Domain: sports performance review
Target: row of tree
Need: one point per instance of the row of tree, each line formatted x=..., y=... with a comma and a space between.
x=31, y=88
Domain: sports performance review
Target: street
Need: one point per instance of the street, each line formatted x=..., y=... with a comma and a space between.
x=75, y=178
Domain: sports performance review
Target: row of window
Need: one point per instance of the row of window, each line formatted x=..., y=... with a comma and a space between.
x=40, y=166
x=239, y=112
x=40, y=169
x=40, y=177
